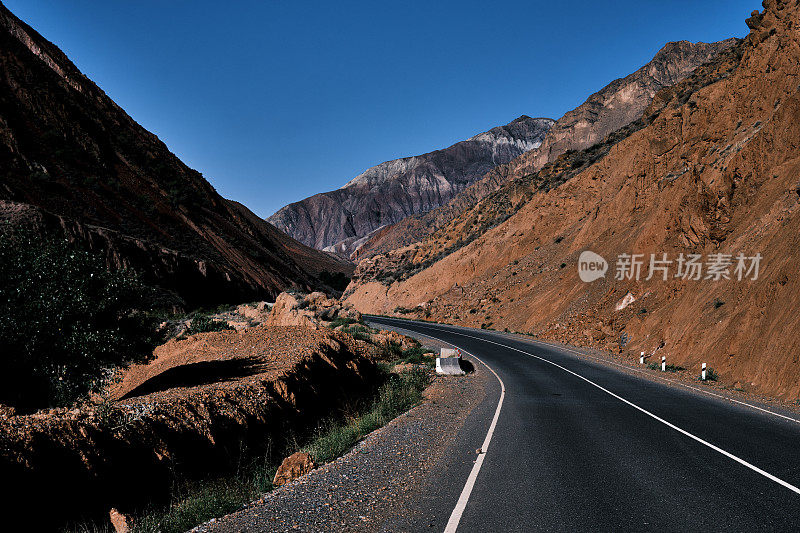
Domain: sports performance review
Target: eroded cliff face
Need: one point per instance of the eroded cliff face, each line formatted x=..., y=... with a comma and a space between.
x=76, y=164
x=713, y=170
x=615, y=106
x=394, y=190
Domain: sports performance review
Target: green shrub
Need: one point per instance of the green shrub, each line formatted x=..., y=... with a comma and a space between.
x=65, y=320
x=416, y=356
x=339, y=321
x=394, y=353
x=211, y=500
x=669, y=368
x=203, y=324
x=398, y=394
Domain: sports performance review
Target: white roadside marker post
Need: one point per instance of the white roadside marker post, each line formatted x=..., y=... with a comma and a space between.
x=703, y=373
x=663, y=363
x=641, y=359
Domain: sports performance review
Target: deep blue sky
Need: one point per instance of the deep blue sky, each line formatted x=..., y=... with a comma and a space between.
x=274, y=101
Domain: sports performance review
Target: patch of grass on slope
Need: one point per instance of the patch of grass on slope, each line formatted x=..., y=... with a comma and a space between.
x=400, y=393
x=195, y=502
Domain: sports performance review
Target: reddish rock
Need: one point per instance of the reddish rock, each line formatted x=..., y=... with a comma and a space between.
x=296, y=465
x=309, y=310
x=119, y=521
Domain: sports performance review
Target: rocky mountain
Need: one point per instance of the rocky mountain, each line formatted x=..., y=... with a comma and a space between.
x=394, y=190
x=74, y=163
x=616, y=105
x=710, y=169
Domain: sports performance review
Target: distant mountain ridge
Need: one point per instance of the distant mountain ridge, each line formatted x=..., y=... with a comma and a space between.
x=74, y=163
x=616, y=105
x=393, y=190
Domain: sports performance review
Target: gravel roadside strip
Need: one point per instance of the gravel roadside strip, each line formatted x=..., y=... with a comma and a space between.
x=382, y=484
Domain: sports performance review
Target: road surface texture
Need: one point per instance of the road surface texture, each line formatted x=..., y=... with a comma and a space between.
x=582, y=446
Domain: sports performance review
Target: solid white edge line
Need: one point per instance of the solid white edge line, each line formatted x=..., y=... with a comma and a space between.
x=648, y=374
x=461, y=504
x=466, y=492
x=648, y=413
x=674, y=382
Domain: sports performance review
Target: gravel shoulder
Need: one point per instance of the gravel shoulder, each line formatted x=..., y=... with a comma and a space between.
x=392, y=480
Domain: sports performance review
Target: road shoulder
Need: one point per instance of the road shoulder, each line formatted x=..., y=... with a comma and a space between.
x=403, y=477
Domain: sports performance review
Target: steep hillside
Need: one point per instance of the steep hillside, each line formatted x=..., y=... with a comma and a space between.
x=712, y=171
x=394, y=190
x=73, y=162
x=616, y=105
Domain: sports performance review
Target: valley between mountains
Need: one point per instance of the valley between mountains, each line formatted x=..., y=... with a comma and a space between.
x=172, y=361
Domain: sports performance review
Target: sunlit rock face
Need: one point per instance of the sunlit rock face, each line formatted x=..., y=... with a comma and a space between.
x=394, y=190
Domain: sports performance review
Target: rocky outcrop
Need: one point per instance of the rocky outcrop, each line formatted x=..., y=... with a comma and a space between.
x=713, y=169
x=616, y=105
x=309, y=310
x=620, y=102
x=75, y=164
x=394, y=190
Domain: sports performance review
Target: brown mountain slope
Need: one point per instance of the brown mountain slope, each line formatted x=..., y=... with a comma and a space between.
x=72, y=161
x=618, y=104
x=715, y=171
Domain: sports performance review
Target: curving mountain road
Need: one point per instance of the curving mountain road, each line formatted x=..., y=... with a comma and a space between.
x=577, y=445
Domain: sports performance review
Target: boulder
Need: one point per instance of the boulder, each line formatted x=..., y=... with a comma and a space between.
x=310, y=310
x=290, y=310
x=119, y=521
x=296, y=465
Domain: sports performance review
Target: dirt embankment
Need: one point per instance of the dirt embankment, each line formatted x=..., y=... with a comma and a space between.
x=199, y=408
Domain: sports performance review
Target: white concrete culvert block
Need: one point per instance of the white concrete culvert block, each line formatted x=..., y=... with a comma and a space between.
x=703, y=373
x=663, y=363
x=449, y=362
x=641, y=358
x=449, y=352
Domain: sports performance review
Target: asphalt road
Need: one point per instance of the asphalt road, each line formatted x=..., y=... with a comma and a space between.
x=583, y=446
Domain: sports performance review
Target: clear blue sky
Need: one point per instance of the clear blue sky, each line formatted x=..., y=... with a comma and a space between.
x=274, y=101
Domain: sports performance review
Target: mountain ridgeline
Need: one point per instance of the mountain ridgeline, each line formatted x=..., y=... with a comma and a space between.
x=387, y=193
x=608, y=110
x=75, y=164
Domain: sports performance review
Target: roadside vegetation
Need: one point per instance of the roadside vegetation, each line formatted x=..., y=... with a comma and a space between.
x=669, y=368
x=66, y=321
x=399, y=393
x=204, y=324
x=194, y=502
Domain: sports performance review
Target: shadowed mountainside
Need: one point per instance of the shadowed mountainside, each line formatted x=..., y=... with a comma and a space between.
x=75, y=163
